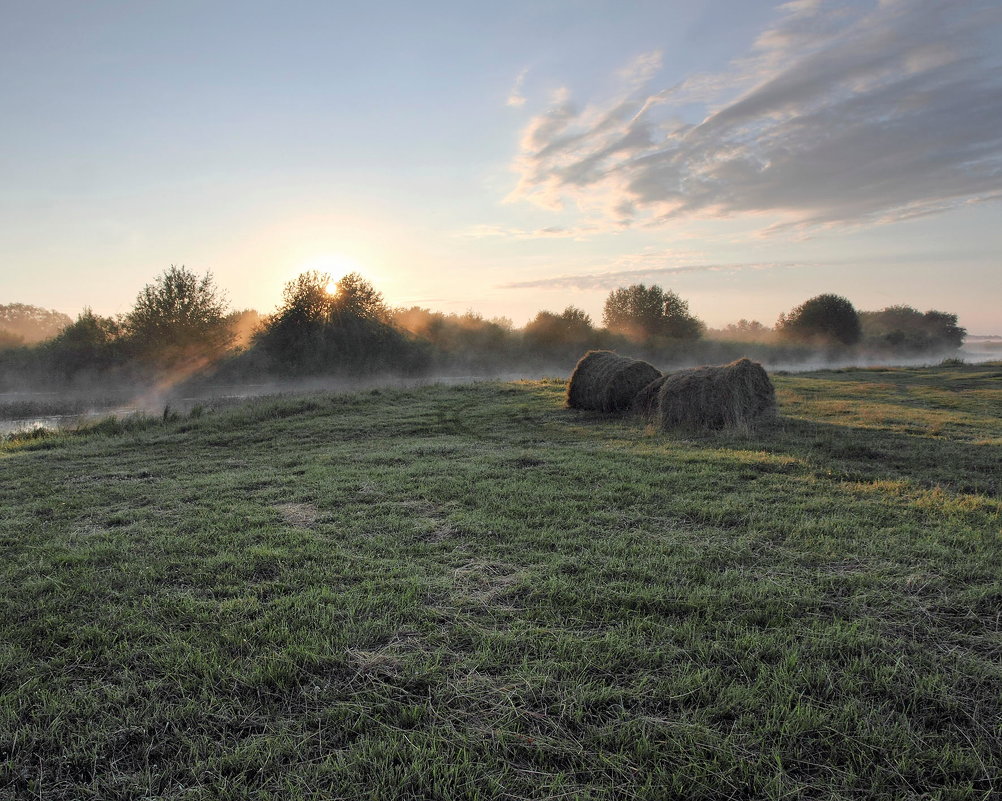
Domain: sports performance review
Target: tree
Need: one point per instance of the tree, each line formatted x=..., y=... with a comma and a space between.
x=359, y=325
x=904, y=328
x=31, y=323
x=572, y=327
x=746, y=331
x=572, y=315
x=356, y=299
x=825, y=319
x=296, y=329
x=347, y=330
x=90, y=342
x=942, y=326
x=306, y=297
x=643, y=313
x=179, y=317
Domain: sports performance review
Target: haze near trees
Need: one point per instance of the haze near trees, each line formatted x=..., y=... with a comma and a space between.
x=23, y=323
x=907, y=329
x=571, y=327
x=180, y=326
x=825, y=319
x=644, y=313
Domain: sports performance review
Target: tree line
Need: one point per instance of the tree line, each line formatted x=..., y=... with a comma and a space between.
x=180, y=325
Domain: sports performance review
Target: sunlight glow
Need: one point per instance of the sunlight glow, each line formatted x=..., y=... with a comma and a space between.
x=337, y=265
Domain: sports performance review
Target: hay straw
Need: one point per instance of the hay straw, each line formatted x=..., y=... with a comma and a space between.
x=645, y=403
x=604, y=381
x=732, y=395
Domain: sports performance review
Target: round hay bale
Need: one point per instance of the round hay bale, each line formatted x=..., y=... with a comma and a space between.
x=604, y=381
x=735, y=394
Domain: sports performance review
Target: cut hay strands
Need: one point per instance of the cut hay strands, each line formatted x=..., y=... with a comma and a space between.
x=604, y=381
x=645, y=402
x=731, y=395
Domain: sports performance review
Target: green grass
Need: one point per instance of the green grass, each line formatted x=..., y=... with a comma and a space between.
x=472, y=592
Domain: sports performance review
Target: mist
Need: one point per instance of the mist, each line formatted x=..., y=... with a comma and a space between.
x=70, y=408
x=180, y=347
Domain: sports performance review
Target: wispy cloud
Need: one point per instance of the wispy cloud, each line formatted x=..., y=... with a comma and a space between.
x=655, y=271
x=641, y=69
x=509, y=232
x=515, y=96
x=842, y=114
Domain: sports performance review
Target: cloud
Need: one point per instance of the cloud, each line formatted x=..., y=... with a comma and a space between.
x=841, y=114
x=641, y=69
x=547, y=232
x=653, y=272
x=515, y=96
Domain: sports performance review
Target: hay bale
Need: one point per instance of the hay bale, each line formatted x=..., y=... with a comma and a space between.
x=735, y=394
x=645, y=402
x=604, y=381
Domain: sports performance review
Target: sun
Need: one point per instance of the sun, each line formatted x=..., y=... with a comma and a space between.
x=336, y=265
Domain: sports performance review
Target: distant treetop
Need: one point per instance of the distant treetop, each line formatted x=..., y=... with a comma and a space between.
x=823, y=319
x=31, y=323
x=643, y=313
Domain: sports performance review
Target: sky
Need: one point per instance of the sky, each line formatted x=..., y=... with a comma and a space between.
x=507, y=157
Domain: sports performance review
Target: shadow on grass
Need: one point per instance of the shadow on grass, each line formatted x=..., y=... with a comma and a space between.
x=855, y=453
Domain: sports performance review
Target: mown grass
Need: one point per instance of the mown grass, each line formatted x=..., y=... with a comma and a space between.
x=473, y=593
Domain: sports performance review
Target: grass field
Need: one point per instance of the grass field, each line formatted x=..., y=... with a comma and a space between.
x=470, y=592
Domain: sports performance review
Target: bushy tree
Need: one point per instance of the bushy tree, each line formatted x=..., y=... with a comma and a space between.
x=571, y=328
x=575, y=319
x=467, y=342
x=825, y=319
x=349, y=330
x=453, y=333
x=356, y=299
x=360, y=325
x=31, y=323
x=294, y=334
x=179, y=317
x=644, y=313
x=91, y=342
x=305, y=297
x=942, y=327
x=905, y=329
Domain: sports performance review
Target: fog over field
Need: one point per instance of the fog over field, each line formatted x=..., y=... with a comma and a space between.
x=26, y=410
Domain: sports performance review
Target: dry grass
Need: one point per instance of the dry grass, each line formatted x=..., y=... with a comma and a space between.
x=300, y=515
x=732, y=395
x=645, y=402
